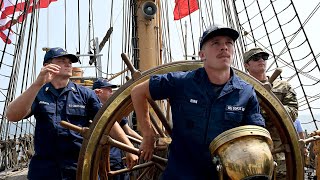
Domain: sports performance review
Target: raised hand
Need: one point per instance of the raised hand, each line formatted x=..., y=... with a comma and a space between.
x=47, y=73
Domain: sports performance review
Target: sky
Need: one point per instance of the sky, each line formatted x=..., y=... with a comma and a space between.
x=52, y=26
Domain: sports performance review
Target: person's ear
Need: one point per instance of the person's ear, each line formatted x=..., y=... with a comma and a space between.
x=246, y=66
x=110, y=90
x=97, y=91
x=202, y=55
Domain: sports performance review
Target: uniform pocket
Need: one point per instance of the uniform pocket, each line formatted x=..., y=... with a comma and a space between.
x=77, y=116
x=49, y=108
x=233, y=118
x=76, y=111
x=193, y=109
x=193, y=121
x=45, y=115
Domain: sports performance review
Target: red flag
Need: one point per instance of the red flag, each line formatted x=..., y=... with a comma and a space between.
x=184, y=8
x=9, y=8
x=4, y=36
x=19, y=11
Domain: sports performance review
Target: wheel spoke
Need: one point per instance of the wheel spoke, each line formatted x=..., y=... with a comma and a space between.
x=137, y=167
x=132, y=139
x=160, y=115
x=132, y=150
x=143, y=173
x=156, y=126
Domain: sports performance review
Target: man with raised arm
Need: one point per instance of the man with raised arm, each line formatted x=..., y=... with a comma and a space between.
x=51, y=98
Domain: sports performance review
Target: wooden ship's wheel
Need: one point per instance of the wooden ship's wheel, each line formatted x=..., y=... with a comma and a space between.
x=94, y=155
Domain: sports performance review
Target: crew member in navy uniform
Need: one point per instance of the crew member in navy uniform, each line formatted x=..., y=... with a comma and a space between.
x=205, y=102
x=52, y=98
x=103, y=89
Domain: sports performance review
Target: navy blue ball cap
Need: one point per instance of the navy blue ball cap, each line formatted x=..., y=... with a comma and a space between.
x=218, y=30
x=59, y=52
x=102, y=83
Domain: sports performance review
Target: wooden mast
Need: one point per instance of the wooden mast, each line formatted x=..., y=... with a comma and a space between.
x=149, y=39
x=147, y=31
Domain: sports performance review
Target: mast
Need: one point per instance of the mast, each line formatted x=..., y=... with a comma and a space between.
x=147, y=31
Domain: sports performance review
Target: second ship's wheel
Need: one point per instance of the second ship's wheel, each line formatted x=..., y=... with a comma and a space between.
x=94, y=155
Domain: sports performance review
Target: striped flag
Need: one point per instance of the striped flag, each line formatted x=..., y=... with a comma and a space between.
x=19, y=13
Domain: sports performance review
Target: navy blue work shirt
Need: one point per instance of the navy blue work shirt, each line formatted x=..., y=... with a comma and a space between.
x=56, y=148
x=199, y=116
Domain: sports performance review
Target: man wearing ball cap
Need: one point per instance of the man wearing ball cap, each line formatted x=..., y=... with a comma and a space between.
x=51, y=98
x=205, y=102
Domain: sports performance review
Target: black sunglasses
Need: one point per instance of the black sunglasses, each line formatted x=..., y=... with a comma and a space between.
x=257, y=57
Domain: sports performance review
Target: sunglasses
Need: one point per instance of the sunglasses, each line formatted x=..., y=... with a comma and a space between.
x=257, y=57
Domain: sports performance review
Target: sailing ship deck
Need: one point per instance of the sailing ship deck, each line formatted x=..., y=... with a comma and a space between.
x=22, y=175
x=253, y=35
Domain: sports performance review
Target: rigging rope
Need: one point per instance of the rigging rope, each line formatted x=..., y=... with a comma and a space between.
x=92, y=23
x=109, y=56
x=194, y=48
x=286, y=40
x=79, y=48
x=9, y=30
x=65, y=25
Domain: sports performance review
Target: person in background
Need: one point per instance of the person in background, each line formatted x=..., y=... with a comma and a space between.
x=301, y=134
x=51, y=98
x=255, y=62
x=103, y=89
x=298, y=127
x=205, y=103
